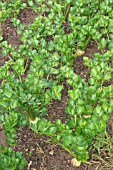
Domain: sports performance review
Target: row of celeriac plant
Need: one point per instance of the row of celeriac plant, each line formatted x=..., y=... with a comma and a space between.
x=32, y=76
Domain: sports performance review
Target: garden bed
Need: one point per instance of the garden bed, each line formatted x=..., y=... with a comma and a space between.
x=40, y=152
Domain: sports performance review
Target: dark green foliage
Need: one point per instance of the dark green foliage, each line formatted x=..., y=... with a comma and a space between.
x=10, y=159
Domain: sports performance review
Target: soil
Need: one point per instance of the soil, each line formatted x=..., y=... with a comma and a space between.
x=39, y=151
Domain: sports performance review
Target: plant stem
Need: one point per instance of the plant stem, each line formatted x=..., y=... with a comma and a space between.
x=31, y=114
x=87, y=42
x=99, y=47
x=74, y=155
x=99, y=3
x=44, y=133
x=67, y=12
x=26, y=64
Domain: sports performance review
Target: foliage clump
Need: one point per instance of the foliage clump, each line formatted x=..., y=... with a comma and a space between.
x=10, y=159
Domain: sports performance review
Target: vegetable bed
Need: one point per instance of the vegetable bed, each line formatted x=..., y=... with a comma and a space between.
x=56, y=85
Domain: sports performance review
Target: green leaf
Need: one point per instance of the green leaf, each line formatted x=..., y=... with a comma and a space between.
x=56, y=92
x=80, y=110
x=52, y=130
x=94, y=72
x=74, y=94
x=67, y=140
x=41, y=125
x=105, y=117
x=92, y=81
x=103, y=42
x=71, y=123
x=110, y=46
x=1, y=38
x=3, y=104
x=105, y=106
x=30, y=3
x=70, y=111
x=58, y=122
x=15, y=21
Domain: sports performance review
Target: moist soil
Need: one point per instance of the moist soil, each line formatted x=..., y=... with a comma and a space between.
x=39, y=151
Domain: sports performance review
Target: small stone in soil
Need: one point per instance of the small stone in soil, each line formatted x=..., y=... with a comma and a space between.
x=64, y=162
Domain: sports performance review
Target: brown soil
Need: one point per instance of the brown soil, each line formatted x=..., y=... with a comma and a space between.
x=39, y=151
x=2, y=136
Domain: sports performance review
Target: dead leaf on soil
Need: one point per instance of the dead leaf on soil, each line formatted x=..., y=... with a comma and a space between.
x=80, y=52
x=51, y=152
x=29, y=164
x=75, y=162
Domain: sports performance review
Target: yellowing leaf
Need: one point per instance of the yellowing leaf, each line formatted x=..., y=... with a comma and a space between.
x=80, y=52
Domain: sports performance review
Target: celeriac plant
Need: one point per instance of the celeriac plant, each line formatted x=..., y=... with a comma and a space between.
x=29, y=97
